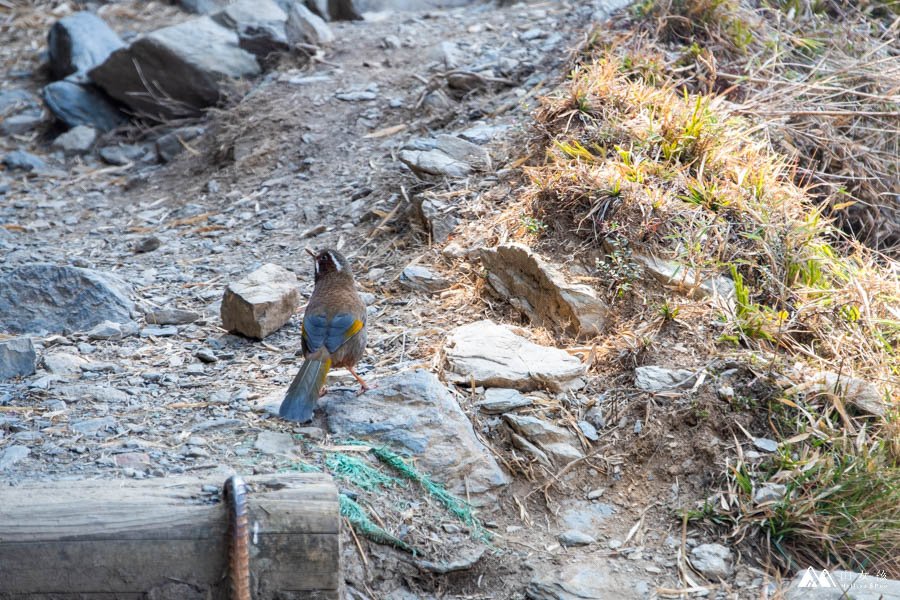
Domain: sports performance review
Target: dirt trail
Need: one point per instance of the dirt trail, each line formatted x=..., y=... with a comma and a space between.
x=292, y=166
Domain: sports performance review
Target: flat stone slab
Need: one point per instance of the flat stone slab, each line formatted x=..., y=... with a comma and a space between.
x=260, y=303
x=414, y=413
x=488, y=354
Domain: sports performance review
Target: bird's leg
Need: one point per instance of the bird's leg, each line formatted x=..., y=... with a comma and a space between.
x=364, y=387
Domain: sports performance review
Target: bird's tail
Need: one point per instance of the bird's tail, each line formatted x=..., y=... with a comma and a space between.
x=300, y=400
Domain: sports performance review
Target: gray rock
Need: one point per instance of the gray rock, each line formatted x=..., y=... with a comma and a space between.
x=538, y=454
x=63, y=363
x=17, y=358
x=713, y=561
x=770, y=492
x=719, y=288
x=765, y=444
x=147, y=244
x=93, y=426
x=19, y=160
x=488, y=354
x=15, y=101
x=859, y=393
x=810, y=584
x=79, y=42
x=274, y=443
x=536, y=289
x=261, y=26
x=595, y=417
x=171, y=316
x=573, y=537
x=304, y=26
x=590, y=580
x=43, y=297
x=464, y=151
x=124, y=154
x=171, y=144
x=261, y=302
x=356, y=96
x=203, y=7
x=560, y=445
x=12, y=455
x=438, y=219
x=584, y=516
x=422, y=279
x=447, y=54
x=660, y=379
x=413, y=412
x=500, y=400
x=21, y=123
x=222, y=423
x=434, y=162
x=111, y=330
x=588, y=430
x=206, y=355
x=77, y=140
x=159, y=331
x=188, y=63
x=82, y=104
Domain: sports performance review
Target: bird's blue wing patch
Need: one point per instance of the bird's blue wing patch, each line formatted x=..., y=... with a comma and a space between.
x=318, y=331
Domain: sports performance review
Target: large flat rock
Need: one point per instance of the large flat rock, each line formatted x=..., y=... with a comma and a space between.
x=414, y=413
x=521, y=277
x=488, y=354
x=261, y=302
x=176, y=71
x=57, y=299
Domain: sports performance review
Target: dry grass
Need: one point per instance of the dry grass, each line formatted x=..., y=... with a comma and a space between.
x=633, y=167
x=820, y=79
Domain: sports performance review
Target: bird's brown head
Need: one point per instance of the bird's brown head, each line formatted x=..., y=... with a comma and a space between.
x=330, y=263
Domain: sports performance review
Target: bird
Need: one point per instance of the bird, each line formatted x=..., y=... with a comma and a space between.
x=333, y=334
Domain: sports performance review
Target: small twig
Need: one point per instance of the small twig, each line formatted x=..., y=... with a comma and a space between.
x=362, y=554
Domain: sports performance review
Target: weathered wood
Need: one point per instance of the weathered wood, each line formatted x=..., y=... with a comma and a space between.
x=114, y=539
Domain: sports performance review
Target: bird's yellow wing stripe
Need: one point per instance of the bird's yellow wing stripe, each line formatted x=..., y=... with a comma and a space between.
x=353, y=329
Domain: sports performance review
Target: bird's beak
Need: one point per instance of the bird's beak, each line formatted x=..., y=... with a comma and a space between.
x=310, y=252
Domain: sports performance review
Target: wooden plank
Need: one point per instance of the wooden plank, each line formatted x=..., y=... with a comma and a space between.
x=91, y=539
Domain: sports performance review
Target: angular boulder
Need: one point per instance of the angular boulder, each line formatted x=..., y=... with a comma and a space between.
x=414, y=413
x=260, y=25
x=77, y=140
x=176, y=71
x=79, y=42
x=261, y=302
x=525, y=280
x=488, y=354
x=304, y=26
x=17, y=358
x=556, y=443
x=82, y=104
x=444, y=156
x=58, y=299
